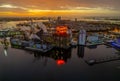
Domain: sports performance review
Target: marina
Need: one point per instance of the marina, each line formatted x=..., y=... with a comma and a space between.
x=45, y=51
x=43, y=36
x=59, y=40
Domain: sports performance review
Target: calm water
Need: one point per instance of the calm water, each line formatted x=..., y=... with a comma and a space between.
x=21, y=65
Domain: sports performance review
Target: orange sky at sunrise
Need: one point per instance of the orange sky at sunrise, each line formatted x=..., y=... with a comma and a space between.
x=59, y=8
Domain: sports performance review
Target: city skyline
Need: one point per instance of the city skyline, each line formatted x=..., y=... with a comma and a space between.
x=59, y=8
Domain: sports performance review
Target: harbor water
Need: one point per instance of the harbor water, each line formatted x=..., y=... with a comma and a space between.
x=21, y=65
x=60, y=65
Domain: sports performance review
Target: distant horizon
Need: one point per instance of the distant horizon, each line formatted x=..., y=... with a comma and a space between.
x=63, y=17
x=70, y=15
x=77, y=8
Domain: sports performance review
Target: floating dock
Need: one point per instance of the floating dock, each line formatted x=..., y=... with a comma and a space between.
x=102, y=60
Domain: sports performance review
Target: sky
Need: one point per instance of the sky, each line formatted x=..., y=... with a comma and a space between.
x=59, y=7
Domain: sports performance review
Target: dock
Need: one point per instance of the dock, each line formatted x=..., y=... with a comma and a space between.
x=102, y=60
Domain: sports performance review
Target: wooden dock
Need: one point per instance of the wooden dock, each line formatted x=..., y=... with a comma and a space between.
x=102, y=60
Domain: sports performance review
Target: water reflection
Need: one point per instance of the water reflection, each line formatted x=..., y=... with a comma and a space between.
x=60, y=56
x=81, y=50
x=20, y=64
x=92, y=46
x=6, y=44
x=5, y=51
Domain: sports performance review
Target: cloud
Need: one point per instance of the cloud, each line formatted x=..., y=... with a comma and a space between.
x=8, y=6
x=60, y=6
x=79, y=8
x=55, y=4
x=12, y=6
